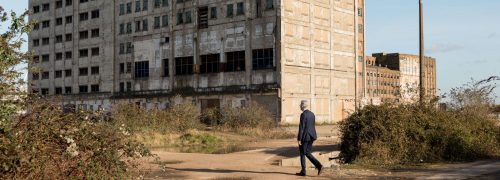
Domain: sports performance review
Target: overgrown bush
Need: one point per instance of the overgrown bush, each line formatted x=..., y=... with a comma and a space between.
x=251, y=120
x=47, y=143
x=402, y=134
x=251, y=116
x=178, y=118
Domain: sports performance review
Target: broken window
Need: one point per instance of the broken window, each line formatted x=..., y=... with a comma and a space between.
x=213, y=13
x=94, y=88
x=235, y=61
x=203, y=17
x=145, y=5
x=165, y=68
x=142, y=69
x=45, y=75
x=240, y=8
x=145, y=25
x=45, y=91
x=84, y=34
x=157, y=3
x=58, y=90
x=83, y=71
x=94, y=70
x=258, y=7
x=137, y=26
x=156, y=22
x=269, y=4
x=84, y=53
x=35, y=76
x=129, y=67
x=180, y=19
x=84, y=16
x=67, y=90
x=83, y=89
x=188, y=17
x=229, y=10
x=67, y=73
x=122, y=68
x=69, y=37
x=164, y=20
x=59, y=56
x=58, y=74
x=46, y=24
x=184, y=65
x=210, y=63
x=122, y=87
x=262, y=59
x=45, y=58
x=137, y=5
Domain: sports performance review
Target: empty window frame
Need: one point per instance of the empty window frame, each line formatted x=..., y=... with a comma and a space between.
x=262, y=59
x=235, y=61
x=184, y=65
x=141, y=69
x=210, y=63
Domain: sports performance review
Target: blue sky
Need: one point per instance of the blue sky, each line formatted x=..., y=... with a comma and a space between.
x=463, y=35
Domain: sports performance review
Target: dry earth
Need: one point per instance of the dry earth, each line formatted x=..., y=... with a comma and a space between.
x=261, y=163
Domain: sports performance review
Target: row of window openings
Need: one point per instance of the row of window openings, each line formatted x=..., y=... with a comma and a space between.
x=68, y=90
x=83, y=53
x=235, y=61
x=381, y=91
x=382, y=75
x=376, y=83
x=94, y=70
x=127, y=8
x=69, y=19
x=186, y=17
x=94, y=33
x=59, y=4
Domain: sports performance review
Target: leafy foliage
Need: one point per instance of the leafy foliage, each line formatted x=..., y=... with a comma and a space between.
x=399, y=134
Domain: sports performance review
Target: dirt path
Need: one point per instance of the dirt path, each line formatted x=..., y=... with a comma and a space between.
x=261, y=163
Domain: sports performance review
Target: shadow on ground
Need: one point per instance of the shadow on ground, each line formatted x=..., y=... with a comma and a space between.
x=291, y=151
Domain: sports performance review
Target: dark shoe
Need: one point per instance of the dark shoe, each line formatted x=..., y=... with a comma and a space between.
x=319, y=170
x=300, y=174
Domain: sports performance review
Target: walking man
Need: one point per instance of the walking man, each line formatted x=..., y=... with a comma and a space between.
x=306, y=138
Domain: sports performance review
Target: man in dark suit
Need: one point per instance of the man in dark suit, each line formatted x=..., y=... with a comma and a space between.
x=306, y=137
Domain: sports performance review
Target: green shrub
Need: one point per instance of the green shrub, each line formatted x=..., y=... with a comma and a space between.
x=47, y=143
x=402, y=134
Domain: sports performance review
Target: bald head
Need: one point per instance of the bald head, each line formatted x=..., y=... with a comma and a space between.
x=304, y=104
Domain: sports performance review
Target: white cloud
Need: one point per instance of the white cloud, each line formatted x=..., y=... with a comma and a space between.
x=443, y=48
x=492, y=35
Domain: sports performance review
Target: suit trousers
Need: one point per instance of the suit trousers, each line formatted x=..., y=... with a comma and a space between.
x=305, y=151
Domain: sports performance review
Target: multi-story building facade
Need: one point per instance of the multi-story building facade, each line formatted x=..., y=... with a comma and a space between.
x=409, y=67
x=383, y=84
x=96, y=53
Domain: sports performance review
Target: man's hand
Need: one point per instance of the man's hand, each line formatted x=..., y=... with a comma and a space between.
x=300, y=143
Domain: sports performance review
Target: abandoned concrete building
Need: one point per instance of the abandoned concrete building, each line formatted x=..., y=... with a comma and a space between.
x=97, y=53
x=409, y=67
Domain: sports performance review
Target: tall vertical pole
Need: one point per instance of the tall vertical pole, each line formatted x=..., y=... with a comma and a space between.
x=421, y=58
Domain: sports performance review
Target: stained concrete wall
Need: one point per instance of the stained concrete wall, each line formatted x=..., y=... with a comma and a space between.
x=314, y=45
x=318, y=43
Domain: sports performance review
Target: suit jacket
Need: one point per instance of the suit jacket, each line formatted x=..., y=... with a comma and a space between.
x=307, y=127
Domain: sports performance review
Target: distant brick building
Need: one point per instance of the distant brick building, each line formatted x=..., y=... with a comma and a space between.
x=383, y=84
